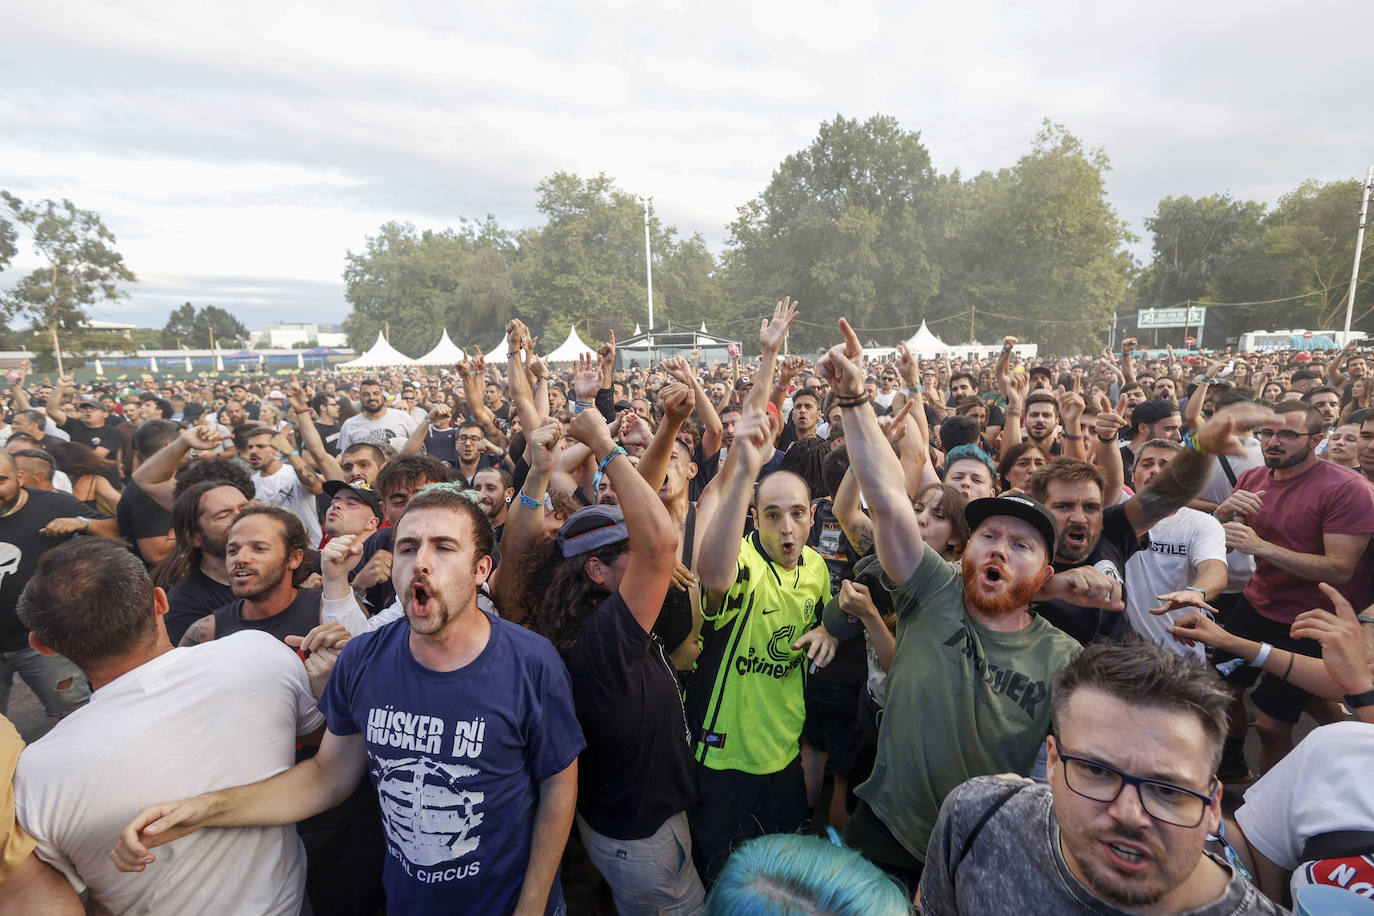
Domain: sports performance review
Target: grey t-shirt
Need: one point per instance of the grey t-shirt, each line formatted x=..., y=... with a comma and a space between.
x=1015, y=864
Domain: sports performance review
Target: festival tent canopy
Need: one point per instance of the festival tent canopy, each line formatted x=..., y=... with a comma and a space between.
x=924, y=342
x=569, y=350
x=499, y=354
x=445, y=353
x=379, y=355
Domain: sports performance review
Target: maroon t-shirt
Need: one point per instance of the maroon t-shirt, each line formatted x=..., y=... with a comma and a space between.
x=1326, y=498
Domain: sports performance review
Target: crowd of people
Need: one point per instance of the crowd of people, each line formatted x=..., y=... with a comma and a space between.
x=843, y=635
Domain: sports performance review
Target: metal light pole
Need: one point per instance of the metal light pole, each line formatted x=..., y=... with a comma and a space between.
x=1359, y=247
x=649, y=275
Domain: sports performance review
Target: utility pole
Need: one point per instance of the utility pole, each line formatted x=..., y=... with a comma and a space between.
x=649, y=276
x=972, y=316
x=52, y=326
x=1359, y=249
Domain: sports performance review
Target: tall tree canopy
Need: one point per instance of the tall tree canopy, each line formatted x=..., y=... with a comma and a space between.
x=197, y=328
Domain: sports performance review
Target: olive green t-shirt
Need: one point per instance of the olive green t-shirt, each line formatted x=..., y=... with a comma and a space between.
x=962, y=701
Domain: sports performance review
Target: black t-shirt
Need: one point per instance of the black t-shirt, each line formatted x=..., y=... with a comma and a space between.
x=850, y=664
x=140, y=516
x=21, y=545
x=637, y=769
x=707, y=468
x=106, y=437
x=191, y=599
x=298, y=618
x=1116, y=545
x=443, y=444
x=379, y=596
x=329, y=435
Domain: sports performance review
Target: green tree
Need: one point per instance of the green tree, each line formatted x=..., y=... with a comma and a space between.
x=1038, y=251
x=82, y=266
x=585, y=265
x=847, y=226
x=421, y=282
x=195, y=328
x=1195, y=243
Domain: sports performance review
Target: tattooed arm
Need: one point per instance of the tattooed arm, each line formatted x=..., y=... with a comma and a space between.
x=203, y=630
x=1184, y=477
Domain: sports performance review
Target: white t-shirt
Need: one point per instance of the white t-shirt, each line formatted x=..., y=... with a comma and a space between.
x=1239, y=566
x=192, y=720
x=284, y=489
x=1177, y=545
x=386, y=429
x=1320, y=787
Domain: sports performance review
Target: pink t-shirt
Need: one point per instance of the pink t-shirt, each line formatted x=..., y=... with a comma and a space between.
x=1326, y=498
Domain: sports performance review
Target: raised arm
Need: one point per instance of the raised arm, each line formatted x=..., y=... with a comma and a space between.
x=1108, y=455
x=310, y=436
x=54, y=405
x=1128, y=361
x=1014, y=389
x=771, y=335
x=1071, y=409
x=653, y=464
x=155, y=475
x=718, y=554
x=525, y=522
x=1334, y=374
x=1185, y=476
x=896, y=532
x=310, y=481
x=711, y=428
x=653, y=538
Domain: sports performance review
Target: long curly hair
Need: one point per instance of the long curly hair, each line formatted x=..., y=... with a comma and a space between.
x=557, y=593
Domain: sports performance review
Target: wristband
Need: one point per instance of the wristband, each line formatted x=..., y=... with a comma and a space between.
x=530, y=501
x=580, y=405
x=857, y=400
x=1190, y=441
x=1106, y=438
x=1358, y=700
x=602, y=464
x=1262, y=655
x=1364, y=618
x=1194, y=588
x=1071, y=438
x=301, y=410
x=86, y=521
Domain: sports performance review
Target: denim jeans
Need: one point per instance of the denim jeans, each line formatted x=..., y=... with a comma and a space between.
x=59, y=684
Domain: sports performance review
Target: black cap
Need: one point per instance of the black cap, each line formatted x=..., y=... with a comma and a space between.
x=592, y=528
x=868, y=573
x=359, y=489
x=1022, y=507
x=1046, y=371
x=1152, y=411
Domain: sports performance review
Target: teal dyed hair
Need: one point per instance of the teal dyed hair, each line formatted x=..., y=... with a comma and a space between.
x=966, y=452
x=790, y=875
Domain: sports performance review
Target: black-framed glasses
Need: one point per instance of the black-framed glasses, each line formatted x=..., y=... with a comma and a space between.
x=1286, y=436
x=469, y=438
x=1163, y=801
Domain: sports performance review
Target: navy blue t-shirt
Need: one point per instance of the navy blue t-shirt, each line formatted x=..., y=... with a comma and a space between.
x=457, y=758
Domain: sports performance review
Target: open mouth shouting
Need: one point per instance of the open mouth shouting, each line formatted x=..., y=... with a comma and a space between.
x=419, y=601
x=1127, y=857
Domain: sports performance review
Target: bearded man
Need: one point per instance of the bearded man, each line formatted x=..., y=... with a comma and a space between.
x=968, y=688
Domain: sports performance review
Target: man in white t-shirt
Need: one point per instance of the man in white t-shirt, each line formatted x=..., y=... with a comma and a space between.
x=377, y=423
x=1186, y=562
x=162, y=720
x=292, y=487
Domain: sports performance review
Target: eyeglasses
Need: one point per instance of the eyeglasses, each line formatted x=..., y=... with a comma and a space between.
x=469, y=438
x=1161, y=800
x=1286, y=436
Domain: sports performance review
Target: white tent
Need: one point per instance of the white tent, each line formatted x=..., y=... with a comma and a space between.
x=570, y=349
x=499, y=355
x=379, y=355
x=445, y=353
x=924, y=343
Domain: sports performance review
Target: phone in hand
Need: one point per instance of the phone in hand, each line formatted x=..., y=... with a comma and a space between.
x=12, y=376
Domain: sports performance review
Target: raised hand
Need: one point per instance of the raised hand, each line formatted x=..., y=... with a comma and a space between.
x=678, y=400
x=606, y=352
x=1109, y=423
x=790, y=368
x=586, y=377
x=546, y=445
x=200, y=438
x=908, y=366
x=1071, y=405
x=589, y=428
x=771, y=333
x=1219, y=435
x=1084, y=586
x=841, y=366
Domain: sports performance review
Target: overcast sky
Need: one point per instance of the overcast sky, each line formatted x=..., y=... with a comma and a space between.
x=239, y=149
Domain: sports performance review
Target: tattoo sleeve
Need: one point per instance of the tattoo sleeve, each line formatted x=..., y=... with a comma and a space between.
x=1177, y=485
x=200, y=631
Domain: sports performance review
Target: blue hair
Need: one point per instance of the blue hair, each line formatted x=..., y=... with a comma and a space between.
x=785, y=874
x=967, y=452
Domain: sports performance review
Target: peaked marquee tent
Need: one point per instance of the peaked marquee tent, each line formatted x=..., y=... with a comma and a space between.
x=445, y=353
x=569, y=350
x=381, y=354
x=673, y=340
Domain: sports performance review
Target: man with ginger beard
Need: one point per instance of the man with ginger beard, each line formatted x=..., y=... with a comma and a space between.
x=968, y=688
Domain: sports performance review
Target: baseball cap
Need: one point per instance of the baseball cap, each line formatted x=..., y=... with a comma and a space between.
x=868, y=573
x=1152, y=411
x=592, y=528
x=1020, y=507
x=92, y=402
x=359, y=489
x=1042, y=370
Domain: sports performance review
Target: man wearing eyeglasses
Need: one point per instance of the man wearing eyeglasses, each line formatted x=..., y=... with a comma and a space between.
x=1137, y=732
x=1305, y=521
